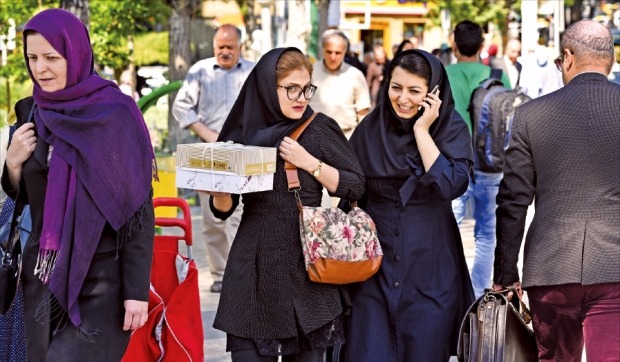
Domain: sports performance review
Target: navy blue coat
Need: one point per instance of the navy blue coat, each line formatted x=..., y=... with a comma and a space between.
x=412, y=308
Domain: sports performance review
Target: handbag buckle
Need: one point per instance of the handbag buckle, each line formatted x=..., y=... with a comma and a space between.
x=6, y=260
x=295, y=192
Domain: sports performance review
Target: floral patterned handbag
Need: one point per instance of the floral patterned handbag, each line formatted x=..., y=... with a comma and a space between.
x=339, y=248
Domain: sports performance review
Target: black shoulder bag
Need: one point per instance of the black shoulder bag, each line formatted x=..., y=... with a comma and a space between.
x=493, y=330
x=11, y=253
x=11, y=263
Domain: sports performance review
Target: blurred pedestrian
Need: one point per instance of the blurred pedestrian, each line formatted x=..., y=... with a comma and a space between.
x=269, y=307
x=509, y=63
x=402, y=46
x=415, y=42
x=82, y=159
x=564, y=154
x=352, y=58
x=491, y=55
x=374, y=75
x=539, y=76
x=342, y=92
x=202, y=104
x=126, y=85
x=446, y=53
x=416, y=154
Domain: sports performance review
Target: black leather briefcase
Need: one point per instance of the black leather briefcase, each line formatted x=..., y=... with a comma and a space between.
x=493, y=330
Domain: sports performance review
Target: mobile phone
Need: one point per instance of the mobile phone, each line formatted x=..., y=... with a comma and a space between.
x=433, y=92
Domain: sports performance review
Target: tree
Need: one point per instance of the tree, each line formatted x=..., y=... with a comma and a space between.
x=79, y=8
x=111, y=23
x=576, y=10
x=179, y=56
x=323, y=6
x=298, y=31
x=115, y=23
x=249, y=18
x=479, y=11
x=12, y=71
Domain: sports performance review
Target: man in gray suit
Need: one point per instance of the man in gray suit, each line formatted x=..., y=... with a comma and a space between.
x=565, y=152
x=508, y=63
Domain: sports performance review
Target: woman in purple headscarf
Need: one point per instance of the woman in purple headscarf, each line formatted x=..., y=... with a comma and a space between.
x=81, y=157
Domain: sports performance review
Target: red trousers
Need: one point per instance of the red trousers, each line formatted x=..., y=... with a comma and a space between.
x=567, y=316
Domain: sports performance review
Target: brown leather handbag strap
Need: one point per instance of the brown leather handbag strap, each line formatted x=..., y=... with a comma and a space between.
x=292, y=176
x=299, y=130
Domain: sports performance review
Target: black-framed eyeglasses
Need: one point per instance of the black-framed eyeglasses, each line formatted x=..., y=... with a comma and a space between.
x=294, y=92
x=560, y=59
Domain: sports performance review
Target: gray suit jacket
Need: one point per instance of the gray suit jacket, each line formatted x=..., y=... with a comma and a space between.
x=564, y=152
x=500, y=63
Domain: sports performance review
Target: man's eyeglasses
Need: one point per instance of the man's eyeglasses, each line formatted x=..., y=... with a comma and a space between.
x=560, y=59
x=294, y=92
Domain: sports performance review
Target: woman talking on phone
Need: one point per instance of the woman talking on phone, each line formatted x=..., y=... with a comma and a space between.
x=416, y=154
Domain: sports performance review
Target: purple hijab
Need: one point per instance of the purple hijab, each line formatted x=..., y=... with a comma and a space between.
x=102, y=161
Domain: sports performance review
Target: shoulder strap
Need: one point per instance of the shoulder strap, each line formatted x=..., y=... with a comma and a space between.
x=496, y=73
x=487, y=83
x=292, y=176
x=11, y=242
x=299, y=130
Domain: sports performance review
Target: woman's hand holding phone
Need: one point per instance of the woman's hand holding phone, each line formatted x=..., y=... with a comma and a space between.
x=434, y=91
x=430, y=108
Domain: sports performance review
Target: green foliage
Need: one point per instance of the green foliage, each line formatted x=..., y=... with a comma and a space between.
x=14, y=72
x=113, y=22
x=20, y=12
x=151, y=48
x=478, y=11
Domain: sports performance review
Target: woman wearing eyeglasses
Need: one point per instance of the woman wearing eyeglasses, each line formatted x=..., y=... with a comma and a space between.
x=268, y=306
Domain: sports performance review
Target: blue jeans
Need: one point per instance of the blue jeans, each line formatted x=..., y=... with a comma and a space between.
x=484, y=190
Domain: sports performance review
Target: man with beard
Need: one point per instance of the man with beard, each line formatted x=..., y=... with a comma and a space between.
x=202, y=105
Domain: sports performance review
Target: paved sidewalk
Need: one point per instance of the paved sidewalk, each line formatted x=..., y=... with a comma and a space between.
x=215, y=340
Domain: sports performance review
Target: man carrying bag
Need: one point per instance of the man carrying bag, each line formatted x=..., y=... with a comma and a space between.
x=564, y=151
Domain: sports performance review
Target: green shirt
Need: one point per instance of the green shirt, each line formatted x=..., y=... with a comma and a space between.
x=464, y=78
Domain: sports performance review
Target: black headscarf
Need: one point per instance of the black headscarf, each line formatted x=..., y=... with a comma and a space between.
x=385, y=143
x=401, y=46
x=256, y=117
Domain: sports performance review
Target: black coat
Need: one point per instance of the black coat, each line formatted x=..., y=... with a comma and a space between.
x=412, y=308
x=131, y=270
x=266, y=292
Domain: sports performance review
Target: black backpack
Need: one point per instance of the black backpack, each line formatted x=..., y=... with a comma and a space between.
x=491, y=108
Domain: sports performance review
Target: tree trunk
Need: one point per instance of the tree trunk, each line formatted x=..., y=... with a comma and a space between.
x=299, y=27
x=575, y=12
x=179, y=60
x=249, y=18
x=79, y=8
x=323, y=17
